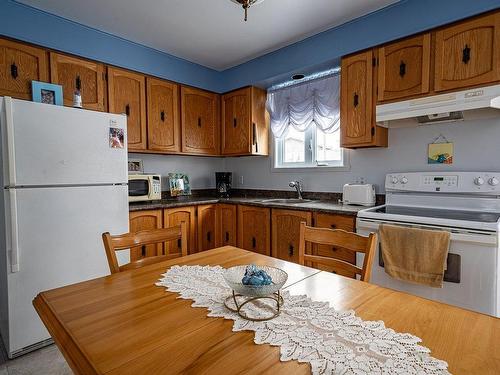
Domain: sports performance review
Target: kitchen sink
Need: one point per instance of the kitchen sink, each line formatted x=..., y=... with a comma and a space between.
x=287, y=200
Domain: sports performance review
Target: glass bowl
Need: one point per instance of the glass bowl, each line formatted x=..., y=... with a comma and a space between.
x=234, y=275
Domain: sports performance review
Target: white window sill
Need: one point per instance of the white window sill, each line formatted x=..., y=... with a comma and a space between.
x=311, y=169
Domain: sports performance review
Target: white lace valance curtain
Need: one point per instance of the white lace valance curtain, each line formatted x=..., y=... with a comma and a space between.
x=316, y=102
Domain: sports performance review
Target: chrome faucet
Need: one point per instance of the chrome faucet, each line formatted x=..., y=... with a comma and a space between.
x=296, y=185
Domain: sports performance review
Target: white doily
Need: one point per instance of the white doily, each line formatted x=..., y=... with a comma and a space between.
x=333, y=342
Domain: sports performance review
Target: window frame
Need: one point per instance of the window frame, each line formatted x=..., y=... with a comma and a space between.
x=309, y=164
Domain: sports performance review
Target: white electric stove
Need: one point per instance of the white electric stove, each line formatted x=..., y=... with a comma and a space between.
x=465, y=203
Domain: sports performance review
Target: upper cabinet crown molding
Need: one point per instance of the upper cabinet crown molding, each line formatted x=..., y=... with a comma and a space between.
x=404, y=68
x=89, y=76
x=245, y=122
x=19, y=65
x=468, y=53
x=200, y=121
x=164, y=127
x=127, y=94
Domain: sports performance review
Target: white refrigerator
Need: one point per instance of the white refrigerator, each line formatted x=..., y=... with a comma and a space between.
x=64, y=183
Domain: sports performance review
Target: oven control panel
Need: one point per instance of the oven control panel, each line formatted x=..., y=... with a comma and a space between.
x=446, y=182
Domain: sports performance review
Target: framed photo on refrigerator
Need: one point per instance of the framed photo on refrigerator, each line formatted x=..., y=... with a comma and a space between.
x=46, y=93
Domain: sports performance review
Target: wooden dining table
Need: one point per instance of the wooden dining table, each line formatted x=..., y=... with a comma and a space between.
x=125, y=324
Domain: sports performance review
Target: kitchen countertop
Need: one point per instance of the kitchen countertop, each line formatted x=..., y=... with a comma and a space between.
x=326, y=206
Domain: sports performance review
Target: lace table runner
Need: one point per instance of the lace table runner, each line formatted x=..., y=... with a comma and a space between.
x=333, y=342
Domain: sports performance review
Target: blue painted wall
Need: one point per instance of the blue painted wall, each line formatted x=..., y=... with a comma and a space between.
x=34, y=26
x=317, y=52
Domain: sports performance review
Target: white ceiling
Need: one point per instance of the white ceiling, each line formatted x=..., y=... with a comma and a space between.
x=211, y=32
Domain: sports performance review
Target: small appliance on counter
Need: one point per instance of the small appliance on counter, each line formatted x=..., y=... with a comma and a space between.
x=359, y=194
x=144, y=187
x=223, y=181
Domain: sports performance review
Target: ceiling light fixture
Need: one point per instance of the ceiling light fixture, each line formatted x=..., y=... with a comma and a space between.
x=246, y=4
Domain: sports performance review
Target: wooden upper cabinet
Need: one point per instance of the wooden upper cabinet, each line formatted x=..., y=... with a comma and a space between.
x=72, y=72
x=245, y=129
x=285, y=233
x=173, y=217
x=207, y=223
x=127, y=94
x=227, y=222
x=19, y=65
x=404, y=68
x=468, y=53
x=145, y=220
x=200, y=121
x=164, y=127
x=357, y=103
x=254, y=229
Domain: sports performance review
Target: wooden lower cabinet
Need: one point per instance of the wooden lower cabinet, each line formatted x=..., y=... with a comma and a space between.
x=254, y=229
x=145, y=220
x=173, y=217
x=332, y=221
x=285, y=233
x=207, y=226
x=227, y=222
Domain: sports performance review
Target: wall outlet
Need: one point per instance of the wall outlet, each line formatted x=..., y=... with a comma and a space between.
x=359, y=180
x=241, y=180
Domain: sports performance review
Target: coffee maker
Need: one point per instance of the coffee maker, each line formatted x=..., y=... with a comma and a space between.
x=223, y=182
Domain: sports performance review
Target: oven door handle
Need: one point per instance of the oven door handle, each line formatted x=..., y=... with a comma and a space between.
x=486, y=239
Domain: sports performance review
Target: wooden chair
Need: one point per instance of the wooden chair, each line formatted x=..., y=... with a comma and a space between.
x=143, y=238
x=341, y=238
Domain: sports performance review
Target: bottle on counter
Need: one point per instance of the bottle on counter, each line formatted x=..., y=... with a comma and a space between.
x=77, y=96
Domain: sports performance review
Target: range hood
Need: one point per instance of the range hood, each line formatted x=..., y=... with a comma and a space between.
x=478, y=103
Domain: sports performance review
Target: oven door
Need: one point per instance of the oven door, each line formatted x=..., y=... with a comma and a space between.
x=139, y=189
x=474, y=252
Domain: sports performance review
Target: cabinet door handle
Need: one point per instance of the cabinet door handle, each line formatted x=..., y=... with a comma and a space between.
x=227, y=236
x=255, y=141
x=235, y=122
x=254, y=243
x=162, y=115
x=78, y=83
x=199, y=122
x=208, y=236
x=290, y=250
x=13, y=70
x=333, y=226
x=402, y=69
x=334, y=248
x=466, y=54
x=356, y=99
x=143, y=251
x=127, y=110
x=179, y=243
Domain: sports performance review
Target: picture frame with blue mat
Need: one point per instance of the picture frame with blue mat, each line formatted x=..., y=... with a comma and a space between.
x=47, y=93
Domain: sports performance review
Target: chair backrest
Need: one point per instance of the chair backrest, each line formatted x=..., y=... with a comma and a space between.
x=340, y=238
x=143, y=238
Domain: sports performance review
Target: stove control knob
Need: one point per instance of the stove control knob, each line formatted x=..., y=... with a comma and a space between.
x=404, y=180
x=394, y=180
x=479, y=181
x=493, y=181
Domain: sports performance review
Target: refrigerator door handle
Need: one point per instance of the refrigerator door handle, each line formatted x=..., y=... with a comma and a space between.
x=9, y=143
x=14, y=235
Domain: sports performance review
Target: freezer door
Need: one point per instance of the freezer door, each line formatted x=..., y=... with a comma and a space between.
x=45, y=145
x=59, y=243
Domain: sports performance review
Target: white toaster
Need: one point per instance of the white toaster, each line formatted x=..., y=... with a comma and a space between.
x=359, y=194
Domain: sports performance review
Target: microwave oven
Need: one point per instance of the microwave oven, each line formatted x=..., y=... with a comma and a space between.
x=144, y=187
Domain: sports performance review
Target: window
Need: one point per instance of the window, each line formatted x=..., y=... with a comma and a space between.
x=305, y=122
x=312, y=148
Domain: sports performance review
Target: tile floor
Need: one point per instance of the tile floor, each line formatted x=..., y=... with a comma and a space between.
x=45, y=361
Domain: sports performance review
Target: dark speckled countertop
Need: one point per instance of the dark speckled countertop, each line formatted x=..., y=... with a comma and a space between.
x=327, y=206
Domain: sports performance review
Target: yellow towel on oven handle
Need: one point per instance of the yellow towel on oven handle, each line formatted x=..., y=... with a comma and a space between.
x=414, y=255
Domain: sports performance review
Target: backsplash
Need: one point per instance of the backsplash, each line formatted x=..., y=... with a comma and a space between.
x=476, y=145
x=200, y=170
